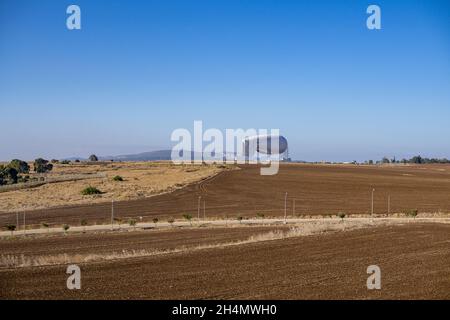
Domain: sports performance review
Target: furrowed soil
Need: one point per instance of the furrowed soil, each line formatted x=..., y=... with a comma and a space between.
x=316, y=189
x=107, y=242
x=414, y=261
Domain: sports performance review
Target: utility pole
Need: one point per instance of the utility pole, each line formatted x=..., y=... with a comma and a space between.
x=198, y=208
x=285, y=207
x=389, y=204
x=373, y=191
x=112, y=215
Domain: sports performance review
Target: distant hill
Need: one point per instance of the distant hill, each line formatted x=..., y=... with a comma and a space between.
x=144, y=156
x=147, y=156
x=150, y=156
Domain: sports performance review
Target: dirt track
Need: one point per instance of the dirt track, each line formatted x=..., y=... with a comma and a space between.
x=319, y=189
x=414, y=261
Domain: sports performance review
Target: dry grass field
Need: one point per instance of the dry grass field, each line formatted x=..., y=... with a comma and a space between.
x=141, y=180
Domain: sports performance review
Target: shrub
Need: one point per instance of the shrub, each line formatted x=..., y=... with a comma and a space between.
x=188, y=217
x=155, y=221
x=64, y=162
x=11, y=227
x=416, y=159
x=132, y=223
x=93, y=158
x=84, y=223
x=260, y=215
x=412, y=213
x=20, y=166
x=90, y=191
x=8, y=175
x=239, y=218
x=118, y=178
x=171, y=221
x=45, y=225
x=42, y=165
x=23, y=178
x=65, y=228
x=341, y=215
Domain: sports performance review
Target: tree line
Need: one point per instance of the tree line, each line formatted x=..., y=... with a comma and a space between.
x=413, y=160
x=18, y=170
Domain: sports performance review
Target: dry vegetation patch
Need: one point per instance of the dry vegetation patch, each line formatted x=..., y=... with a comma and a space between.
x=139, y=180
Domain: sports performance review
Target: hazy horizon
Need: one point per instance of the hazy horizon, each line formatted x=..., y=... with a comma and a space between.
x=86, y=156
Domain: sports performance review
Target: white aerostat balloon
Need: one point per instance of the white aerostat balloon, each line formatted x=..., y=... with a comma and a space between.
x=266, y=144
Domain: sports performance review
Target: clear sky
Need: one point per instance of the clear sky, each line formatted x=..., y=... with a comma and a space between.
x=138, y=70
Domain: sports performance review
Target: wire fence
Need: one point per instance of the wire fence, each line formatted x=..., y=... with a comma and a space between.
x=51, y=179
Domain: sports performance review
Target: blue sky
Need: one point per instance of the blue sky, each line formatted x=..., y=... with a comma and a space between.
x=136, y=71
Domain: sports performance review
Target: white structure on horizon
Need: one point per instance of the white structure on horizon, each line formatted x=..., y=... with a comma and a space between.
x=265, y=147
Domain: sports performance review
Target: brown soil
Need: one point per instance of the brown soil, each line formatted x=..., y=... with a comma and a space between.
x=107, y=242
x=414, y=261
x=318, y=189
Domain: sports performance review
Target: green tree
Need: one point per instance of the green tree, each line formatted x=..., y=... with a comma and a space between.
x=416, y=160
x=8, y=175
x=155, y=221
x=46, y=225
x=413, y=213
x=132, y=223
x=188, y=217
x=84, y=223
x=65, y=228
x=93, y=158
x=42, y=165
x=11, y=227
x=239, y=218
x=119, y=221
x=19, y=165
x=342, y=216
